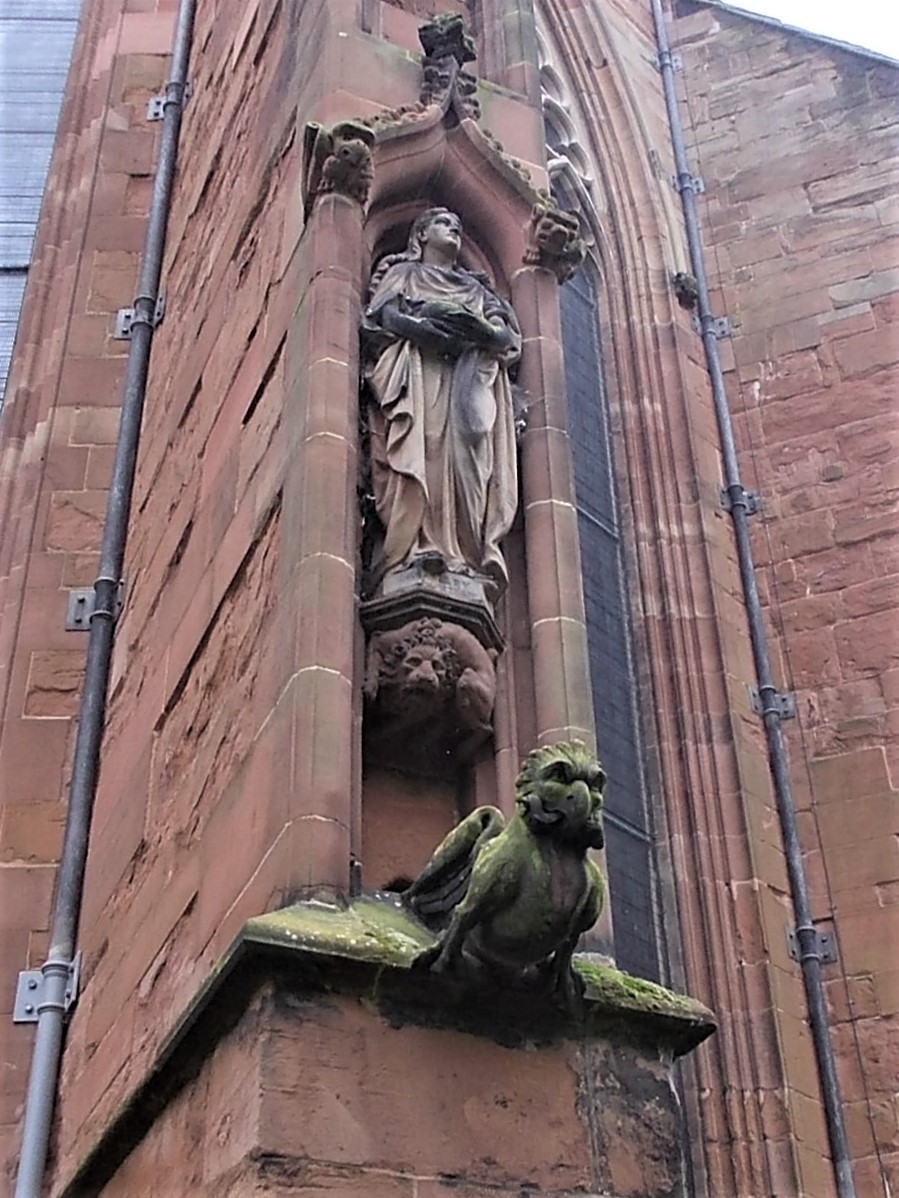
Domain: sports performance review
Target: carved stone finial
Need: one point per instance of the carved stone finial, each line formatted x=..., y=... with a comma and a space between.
x=445, y=37
x=337, y=160
x=447, y=46
x=554, y=241
x=515, y=897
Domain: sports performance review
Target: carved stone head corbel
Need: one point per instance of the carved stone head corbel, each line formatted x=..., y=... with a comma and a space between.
x=337, y=160
x=554, y=240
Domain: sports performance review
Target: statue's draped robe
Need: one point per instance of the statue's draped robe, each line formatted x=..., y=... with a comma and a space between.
x=443, y=458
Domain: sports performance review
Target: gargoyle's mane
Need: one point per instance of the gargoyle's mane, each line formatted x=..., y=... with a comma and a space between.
x=573, y=753
x=427, y=631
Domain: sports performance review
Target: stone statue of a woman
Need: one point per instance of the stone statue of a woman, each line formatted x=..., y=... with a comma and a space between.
x=439, y=343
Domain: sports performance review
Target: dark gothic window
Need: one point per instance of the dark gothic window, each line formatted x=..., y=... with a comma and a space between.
x=628, y=830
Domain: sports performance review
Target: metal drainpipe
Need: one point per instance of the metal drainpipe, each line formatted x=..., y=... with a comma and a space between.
x=806, y=934
x=44, y=1076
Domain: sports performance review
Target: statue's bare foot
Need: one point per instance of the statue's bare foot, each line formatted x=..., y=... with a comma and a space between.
x=432, y=562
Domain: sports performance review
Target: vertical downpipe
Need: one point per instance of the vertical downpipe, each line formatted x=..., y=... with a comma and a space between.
x=806, y=934
x=44, y=1076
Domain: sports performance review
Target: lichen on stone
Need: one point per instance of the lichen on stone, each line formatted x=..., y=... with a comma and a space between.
x=612, y=988
x=376, y=930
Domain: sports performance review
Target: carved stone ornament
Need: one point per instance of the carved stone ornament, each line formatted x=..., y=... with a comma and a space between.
x=337, y=160
x=554, y=241
x=439, y=344
x=514, y=897
x=430, y=688
x=447, y=47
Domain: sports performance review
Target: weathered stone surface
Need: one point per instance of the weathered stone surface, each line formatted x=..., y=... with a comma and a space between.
x=802, y=254
x=363, y=1072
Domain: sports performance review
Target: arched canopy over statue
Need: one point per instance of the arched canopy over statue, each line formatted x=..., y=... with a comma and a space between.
x=439, y=343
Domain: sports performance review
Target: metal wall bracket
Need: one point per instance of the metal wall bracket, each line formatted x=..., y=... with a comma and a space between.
x=667, y=59
x=781, y=703
x=747, y=499
x=81, y=606
x=125, y=318
x=30, y=988
x=826, y=946
x=719, y=325
x=685, y=182
x=156, y=105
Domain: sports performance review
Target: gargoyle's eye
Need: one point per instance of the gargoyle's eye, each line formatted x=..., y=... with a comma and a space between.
x=557, y=772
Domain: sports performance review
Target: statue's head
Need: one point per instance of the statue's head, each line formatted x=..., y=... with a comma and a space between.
x=558, y=793
x=438, y=228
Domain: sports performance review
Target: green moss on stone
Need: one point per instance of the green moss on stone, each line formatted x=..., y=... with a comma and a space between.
x=377, y=934
x=378, y=931
x=612, y=988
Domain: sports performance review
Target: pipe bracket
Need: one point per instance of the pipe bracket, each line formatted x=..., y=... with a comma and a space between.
x=737, y=496
x=719, y=326
x=687, y=182
x=83, y=603
x=667, y=59
x=156, y=104
x=805, y=943
x=31, y=990
x=126, y=318
x=773, y=702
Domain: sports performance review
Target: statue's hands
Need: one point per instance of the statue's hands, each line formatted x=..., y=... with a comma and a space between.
x=421, y=330
x=468, y=328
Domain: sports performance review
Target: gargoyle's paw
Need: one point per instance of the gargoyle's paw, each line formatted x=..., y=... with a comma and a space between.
x=441, y=964
x=426, y=958
x=572, y=990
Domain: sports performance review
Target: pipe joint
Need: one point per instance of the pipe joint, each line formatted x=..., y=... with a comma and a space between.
x=144, y=311
x=176, y=93
x=56, y=990
x=809, y=944
x=107, y=599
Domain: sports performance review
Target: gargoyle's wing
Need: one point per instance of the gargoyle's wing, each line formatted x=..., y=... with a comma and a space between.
x=443, y=882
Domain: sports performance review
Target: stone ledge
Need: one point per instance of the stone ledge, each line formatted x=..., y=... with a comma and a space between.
x=376, y=931
x=365, y=950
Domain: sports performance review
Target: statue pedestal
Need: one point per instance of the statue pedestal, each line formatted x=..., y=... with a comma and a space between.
x=317, y=1061
x=416, y=592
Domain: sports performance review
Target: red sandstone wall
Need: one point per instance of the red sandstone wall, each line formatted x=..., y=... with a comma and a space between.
x=705, y=752
x=197, y=664
x=797, y=145
x=220, y=710
x=56, y=436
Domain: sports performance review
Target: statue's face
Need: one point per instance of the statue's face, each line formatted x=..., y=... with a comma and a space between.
x=443, y=234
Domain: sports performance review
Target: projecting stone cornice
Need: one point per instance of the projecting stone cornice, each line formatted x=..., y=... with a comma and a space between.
x=364, y=951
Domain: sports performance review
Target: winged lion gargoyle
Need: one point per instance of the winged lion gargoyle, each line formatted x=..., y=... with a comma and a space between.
x=515, y=896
